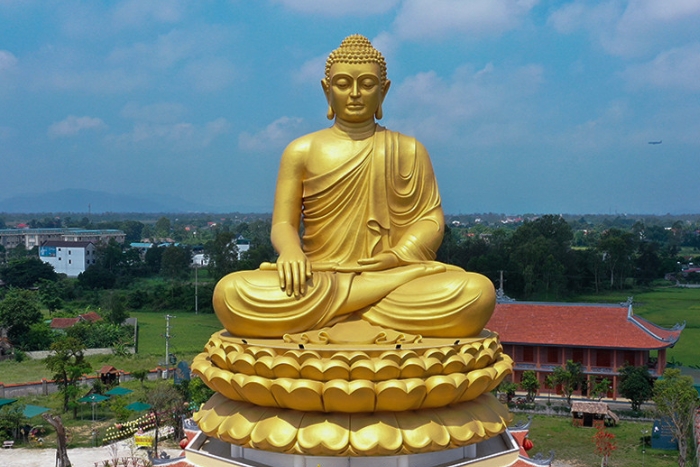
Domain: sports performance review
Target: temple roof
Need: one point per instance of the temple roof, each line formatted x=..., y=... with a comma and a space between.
x=579, y=325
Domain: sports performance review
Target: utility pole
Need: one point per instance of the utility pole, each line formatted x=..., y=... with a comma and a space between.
x=196, y=304
x=500, y=292
x=167, y=344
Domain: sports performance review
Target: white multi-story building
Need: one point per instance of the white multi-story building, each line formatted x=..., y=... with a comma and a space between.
x=69, y=258
x=10, y=238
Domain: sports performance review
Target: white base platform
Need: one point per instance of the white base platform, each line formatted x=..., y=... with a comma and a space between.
x=500, y=451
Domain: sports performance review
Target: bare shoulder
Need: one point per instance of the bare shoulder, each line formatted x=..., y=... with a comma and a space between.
x=300, y=148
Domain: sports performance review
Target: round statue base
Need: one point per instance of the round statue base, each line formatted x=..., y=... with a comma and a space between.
x=353, y=390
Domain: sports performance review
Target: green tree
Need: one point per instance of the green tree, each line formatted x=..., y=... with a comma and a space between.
x=617, y=248
x=175, y=263
x=97, y=277
x=541, y=250
x=133, y=231
x=39, y=337
x=167, y=406
x=11, y=419
x=19, y=310
x=570, y=377
x=261, y=250
x=648, y=263
x=115, y=308
x=50, y=294
x=140, y=375
x=530, y=384
x=110, y=256
x=508, y=388
x=26, y=272
x=677, y=400
x=68, y=365
x=162, y=227
x=223, y=255
x=154, y=258
x=600, y=389
x=199, y=392
x=636, y=384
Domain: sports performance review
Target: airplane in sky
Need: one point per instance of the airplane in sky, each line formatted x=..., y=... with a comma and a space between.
x=655, y=142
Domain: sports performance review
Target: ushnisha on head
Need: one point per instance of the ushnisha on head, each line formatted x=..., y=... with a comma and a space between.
x=356, y=49
x=357, y=57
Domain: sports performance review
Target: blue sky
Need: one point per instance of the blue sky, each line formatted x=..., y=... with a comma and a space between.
x=525, y=106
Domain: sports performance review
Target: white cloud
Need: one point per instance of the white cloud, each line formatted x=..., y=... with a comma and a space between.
x=161, y=112
x=7, y=60
x=181, y=136
x=212, y=129
x=444, y=109
x=276, y=135
x=138, y=13
x=418, y=19
x=678, y=68
x=166, y=51
x=340, y=7
x=311, y=71
x=633, y=28
x=584, y=15
x=73, y=125
x=210, y=74
x=195, y=58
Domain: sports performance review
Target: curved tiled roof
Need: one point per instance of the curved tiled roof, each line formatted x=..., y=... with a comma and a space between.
x=578, y=325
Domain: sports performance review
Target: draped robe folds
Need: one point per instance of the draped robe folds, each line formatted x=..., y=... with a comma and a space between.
x=361, y=208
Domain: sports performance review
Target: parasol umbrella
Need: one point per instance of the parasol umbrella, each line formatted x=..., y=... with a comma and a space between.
x=138, y=406
x=93, y=399
x=118, y=391
x=34, y=410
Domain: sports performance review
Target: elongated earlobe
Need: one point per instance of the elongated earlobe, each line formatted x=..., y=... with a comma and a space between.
x=379, y=114
x=331, y=113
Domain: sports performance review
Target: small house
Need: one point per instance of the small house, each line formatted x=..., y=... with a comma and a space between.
x=592, y=414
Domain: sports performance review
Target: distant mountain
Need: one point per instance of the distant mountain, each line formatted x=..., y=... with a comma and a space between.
x=83, y=201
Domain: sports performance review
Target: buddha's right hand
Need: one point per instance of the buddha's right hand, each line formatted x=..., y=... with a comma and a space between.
x=293, y=269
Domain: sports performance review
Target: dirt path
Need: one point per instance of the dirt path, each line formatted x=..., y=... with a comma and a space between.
x=79, y=457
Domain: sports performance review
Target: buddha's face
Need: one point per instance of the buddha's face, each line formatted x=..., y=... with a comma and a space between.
x=355, y=91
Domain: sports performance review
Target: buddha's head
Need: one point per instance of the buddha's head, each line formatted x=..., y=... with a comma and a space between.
x=355, y=83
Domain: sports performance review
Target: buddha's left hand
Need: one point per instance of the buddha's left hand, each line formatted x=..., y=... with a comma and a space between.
x=379, y=262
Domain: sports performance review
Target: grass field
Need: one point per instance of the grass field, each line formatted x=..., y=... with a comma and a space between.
x=189, y=333
x=570, y=443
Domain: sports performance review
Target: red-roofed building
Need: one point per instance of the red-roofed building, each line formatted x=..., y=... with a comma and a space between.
x=542, y=336
x=65, y=323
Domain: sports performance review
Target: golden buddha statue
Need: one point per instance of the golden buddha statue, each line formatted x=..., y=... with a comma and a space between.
x=356, y=342
x=372, y=223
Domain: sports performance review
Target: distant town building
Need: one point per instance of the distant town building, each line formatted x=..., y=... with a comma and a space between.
x=601, y=337
x=200, y=260
x=243, y=245
x=11, y=238
x=69, y=258
x=61, y=324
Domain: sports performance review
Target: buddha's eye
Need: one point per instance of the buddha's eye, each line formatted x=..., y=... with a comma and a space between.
x=368, y=83
x=342, y=83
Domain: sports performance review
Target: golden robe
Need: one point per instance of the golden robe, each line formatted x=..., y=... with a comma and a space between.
x=365, y=206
